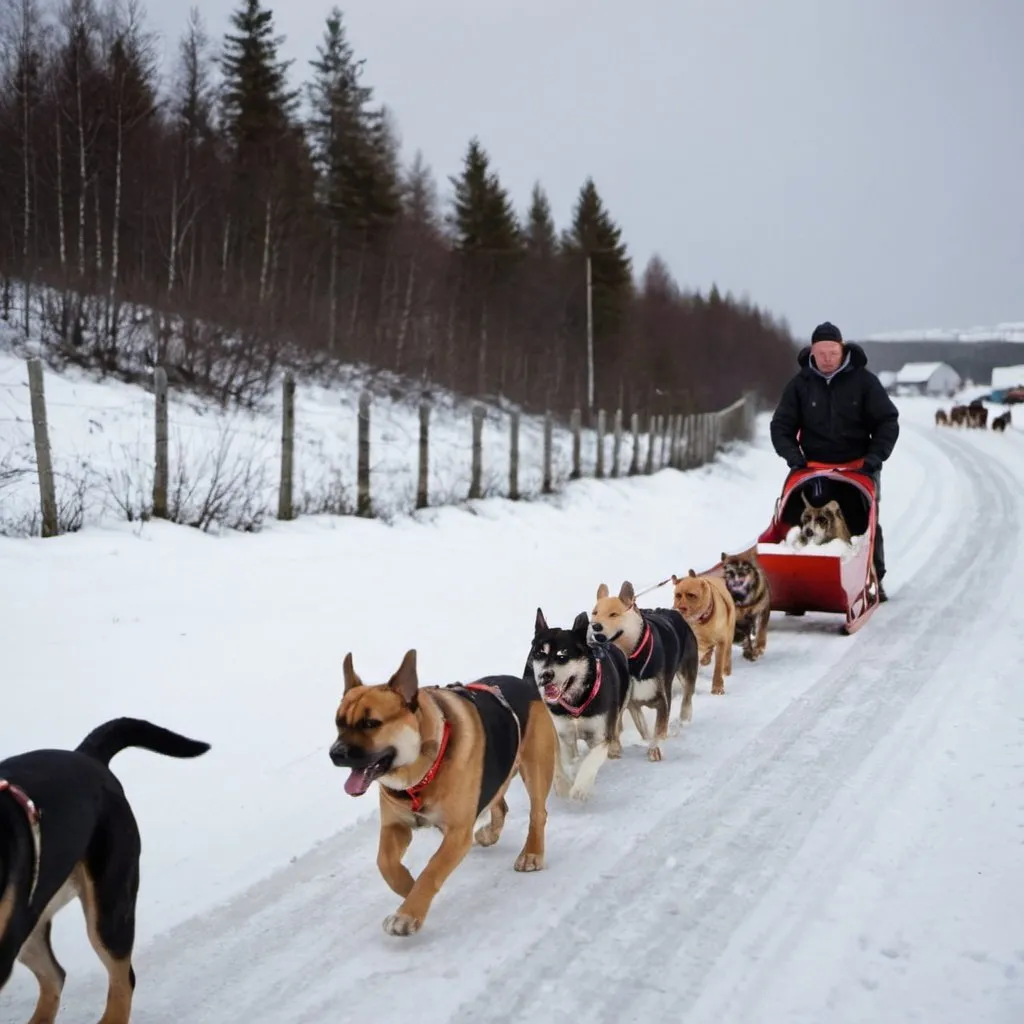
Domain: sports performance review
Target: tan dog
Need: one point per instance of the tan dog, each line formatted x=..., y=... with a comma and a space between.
x=707, y=606
x=821, y=525
x=443, y=756
x=752, y=595
x=659, y=647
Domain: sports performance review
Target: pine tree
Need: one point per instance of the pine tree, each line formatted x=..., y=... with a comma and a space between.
x=257, y=103
x=483, y=218
x=595, y=235
x=541, y=238
x=352, y=145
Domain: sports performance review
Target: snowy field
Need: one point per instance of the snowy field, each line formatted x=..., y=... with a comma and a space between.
x=837, y=839
x=102, y=440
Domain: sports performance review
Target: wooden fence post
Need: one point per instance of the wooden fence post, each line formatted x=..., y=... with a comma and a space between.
x=677, y=429
x=513, y=457
x=44, y=465
x=601, y=431
x=423, y=479
x=548, y=446
x=161, y=466
x=285, y=506
x=475, y=483
x=652, y=429
x=575, y=422
x=666, y=427
x=616, y=442
x=364, y=506
x=634, y=426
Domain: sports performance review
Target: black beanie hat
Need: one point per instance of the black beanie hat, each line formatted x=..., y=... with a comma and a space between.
x=827, y=332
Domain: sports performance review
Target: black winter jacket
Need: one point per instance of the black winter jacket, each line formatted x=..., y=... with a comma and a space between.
x=850, y=417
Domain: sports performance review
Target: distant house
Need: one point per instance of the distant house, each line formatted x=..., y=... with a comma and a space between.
x=1004, y=377
x=927, y=379
x=887, y=378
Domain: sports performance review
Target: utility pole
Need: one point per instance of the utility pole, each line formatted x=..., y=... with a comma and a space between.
x=590, y=340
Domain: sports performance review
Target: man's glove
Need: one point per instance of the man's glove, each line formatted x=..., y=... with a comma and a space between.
x=872, y=464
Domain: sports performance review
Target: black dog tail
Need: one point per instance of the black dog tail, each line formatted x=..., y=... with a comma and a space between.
x=112, y=737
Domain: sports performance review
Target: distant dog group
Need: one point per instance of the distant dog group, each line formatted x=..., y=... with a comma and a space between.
x=445, y=755
x=973, y=417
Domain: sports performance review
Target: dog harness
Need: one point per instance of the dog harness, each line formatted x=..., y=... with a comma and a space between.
x=503, y=711
x=646, y=640
x=413, y=792
x=32, y=813
x=577, y=710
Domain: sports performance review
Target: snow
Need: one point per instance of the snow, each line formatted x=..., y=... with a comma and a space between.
x=1007, y=376
x=102, y=442
x=1011, y=331
x=917, y=373
x=836, y=548
x=836, y=839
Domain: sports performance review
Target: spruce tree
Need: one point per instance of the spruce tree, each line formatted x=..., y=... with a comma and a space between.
x=593, y=233
x=541, y=238
x=483, y=218
x=352, y=144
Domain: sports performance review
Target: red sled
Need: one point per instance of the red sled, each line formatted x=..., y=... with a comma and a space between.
x=824, y=583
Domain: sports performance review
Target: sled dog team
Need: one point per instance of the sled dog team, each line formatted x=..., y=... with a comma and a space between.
x=442, y=756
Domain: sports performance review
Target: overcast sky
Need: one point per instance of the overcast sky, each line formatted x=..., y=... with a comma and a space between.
x=854, y=160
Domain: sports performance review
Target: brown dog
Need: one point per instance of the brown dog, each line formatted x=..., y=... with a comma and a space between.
x=707, y=606
x=941, y=418
x=752, y=595
x=443, y=756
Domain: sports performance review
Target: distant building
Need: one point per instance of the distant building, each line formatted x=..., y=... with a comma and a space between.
x=927, y=379
x=887, y=378
x=1004, y=377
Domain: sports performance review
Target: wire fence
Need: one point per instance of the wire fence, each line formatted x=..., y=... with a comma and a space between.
x=162, y=454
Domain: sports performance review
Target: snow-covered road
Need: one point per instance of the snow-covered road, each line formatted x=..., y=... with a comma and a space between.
x=839, y=839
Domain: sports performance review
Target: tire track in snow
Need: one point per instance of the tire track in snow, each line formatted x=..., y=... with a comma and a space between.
x=691, y=880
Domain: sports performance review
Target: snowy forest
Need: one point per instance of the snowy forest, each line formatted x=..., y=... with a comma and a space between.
x=232, y=215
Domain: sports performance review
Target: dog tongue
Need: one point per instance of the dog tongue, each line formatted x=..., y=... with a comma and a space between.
x=551, y=691
x=358, y=781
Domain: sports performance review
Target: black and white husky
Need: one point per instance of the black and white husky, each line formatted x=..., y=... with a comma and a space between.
x=585, y=687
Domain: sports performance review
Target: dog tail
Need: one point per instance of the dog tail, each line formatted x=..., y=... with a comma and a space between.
x=112, y=737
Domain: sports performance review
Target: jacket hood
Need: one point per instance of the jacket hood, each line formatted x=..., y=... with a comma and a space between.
x=858, y=358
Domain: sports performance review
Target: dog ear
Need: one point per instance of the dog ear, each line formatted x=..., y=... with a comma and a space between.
x=832, y=506
x=351, y=679
x=405, y=680
x=626, y=595
x=602, y=591
x=581, y=623
x=807, y=504
x=692, y=573
x=540, y=624
x=725, y=557
x=675, y=579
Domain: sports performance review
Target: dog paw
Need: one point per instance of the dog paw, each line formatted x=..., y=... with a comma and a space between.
x=614, y=751
x=529, y=861
x=562, y=786
x=654, y=753
x=487, y=835
x=401, y=924
x=581, y=794
x=718, y=690
x=706, y=658
x=750, y=655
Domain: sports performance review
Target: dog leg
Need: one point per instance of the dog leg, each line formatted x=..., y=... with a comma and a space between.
x=37, y=955
x=718, y=678
x=583, y=784
x=110, y=924
x=705, y=654
x=662, y=713
x=409, y=917
x=537, y=768
x=395, y=838
x=762, y=632
x=615, y=740
x=488, y=835
x=689, y=687
x=636, y=712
